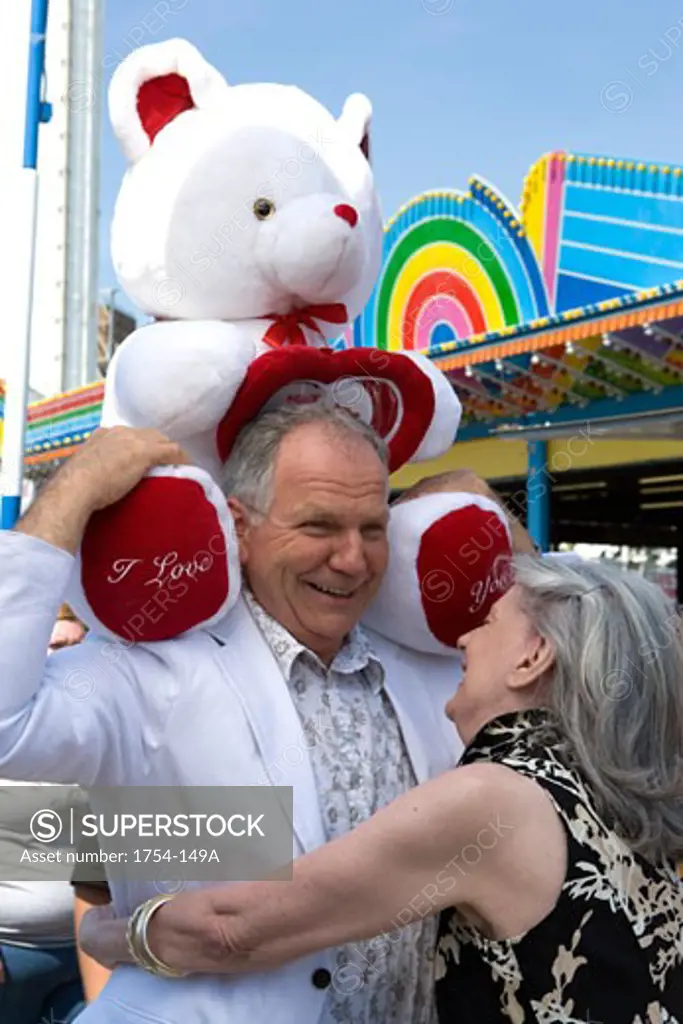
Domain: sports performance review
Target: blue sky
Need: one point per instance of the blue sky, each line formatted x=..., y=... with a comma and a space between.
x=457, y=86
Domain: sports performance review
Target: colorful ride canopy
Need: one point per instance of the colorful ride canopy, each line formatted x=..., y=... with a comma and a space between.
x=458, y=266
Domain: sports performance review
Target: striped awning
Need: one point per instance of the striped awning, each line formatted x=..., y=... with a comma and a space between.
x=623, y=347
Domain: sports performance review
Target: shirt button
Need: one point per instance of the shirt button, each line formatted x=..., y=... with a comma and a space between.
x=321, y=978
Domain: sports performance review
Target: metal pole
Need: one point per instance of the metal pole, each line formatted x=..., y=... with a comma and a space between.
x=538, y=494
x=17, y=382
x=80, y=355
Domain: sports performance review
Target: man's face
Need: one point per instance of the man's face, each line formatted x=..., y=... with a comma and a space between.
x=317, y=556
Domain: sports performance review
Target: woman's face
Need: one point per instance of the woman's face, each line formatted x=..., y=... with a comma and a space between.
x=504, y=660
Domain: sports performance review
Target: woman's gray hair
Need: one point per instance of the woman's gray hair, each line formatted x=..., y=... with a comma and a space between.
x=248, y=472
x=617, y=690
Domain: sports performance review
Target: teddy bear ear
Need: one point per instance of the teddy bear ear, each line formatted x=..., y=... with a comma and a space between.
x=156, y=84
x=355, y=121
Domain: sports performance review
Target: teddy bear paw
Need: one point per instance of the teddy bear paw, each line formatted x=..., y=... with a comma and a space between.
x=450, y=561
x=161, y=562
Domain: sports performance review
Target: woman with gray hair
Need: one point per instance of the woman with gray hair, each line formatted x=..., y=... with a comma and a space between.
x=550, y=852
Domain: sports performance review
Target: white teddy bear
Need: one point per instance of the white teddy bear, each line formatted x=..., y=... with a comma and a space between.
x=242, y=204
x=249, y=227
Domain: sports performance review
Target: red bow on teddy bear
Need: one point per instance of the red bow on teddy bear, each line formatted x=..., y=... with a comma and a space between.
x=286, y=329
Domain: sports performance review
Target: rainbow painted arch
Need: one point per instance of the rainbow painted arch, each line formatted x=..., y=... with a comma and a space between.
x=452, y=269
x=458, y=266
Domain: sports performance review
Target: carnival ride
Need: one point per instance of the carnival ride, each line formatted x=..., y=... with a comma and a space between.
x=49, y=177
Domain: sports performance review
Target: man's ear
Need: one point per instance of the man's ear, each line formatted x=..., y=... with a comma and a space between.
x=241, y=520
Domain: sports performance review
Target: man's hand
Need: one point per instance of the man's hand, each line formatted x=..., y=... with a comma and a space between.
x=454, y=480
x=467, y=481
x=113, y=461
x=86, y=898
x=101, y=936
x=109, y=465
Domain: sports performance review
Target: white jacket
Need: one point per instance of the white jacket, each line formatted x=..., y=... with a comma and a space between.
x=183, y=712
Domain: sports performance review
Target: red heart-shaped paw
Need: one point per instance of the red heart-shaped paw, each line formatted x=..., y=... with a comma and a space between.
x=386, y=389
x=161, y=561
x=450, y=561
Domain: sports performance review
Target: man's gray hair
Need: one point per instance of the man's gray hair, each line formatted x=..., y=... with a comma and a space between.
x=617, y=690
x=248, y=472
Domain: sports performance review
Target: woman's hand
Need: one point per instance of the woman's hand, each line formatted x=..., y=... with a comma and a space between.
x=186, y=934
x=189, y=934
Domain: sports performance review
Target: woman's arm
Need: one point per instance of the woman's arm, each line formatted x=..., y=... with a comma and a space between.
x=432, y=848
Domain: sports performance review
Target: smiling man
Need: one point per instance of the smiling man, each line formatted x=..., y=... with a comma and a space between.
x=308, y=492
x=308, y=488
x=288, y=690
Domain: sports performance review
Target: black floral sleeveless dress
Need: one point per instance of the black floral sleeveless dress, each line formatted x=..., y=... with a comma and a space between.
x=611, y=950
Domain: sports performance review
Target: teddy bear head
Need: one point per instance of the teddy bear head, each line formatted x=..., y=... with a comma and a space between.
x=240, y=201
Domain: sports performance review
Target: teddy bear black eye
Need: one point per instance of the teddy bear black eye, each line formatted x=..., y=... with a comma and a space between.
x=263, y=209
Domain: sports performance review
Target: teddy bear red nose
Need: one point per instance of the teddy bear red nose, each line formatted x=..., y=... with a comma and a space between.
x=347, y=213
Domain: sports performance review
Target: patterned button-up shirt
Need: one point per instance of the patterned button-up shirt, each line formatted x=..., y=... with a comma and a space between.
x=360, y=762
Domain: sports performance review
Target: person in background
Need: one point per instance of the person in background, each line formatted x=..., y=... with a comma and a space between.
x=69, y=630
x=39, y=972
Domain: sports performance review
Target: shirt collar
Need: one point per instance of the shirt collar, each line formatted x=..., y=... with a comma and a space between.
x=509, y=730
x=356, y=653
